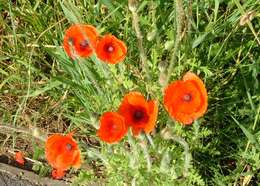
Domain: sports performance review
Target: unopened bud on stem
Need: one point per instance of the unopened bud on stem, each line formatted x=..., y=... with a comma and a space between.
x=132, y=4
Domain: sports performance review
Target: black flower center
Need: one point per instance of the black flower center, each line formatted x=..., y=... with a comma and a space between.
x=138, y=115
x=68, y=146
x=187, y=97
x=83, y=44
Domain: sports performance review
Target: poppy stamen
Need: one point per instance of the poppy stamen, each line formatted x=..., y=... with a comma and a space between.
x=110, y=48
x=112, y=126
x=68, y=146
x=71, y=41
x=84, y=44
x=187, y=97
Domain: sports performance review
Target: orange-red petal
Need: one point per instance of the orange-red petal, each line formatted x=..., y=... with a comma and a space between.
x=80, y=40
x=189, y=76
x=57, y=174
x=19, y=158
x=112, y=127
x=153, y=112
x=111, y=50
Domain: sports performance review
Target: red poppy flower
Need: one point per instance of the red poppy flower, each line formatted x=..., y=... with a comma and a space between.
x=139, y=113
x=187, y=99
x=80, y=40
x=62, y=152
x=19, y=158
x=112, y=127
x=111, y=50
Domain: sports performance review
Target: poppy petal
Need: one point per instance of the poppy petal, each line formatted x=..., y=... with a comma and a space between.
x=189, y=76
x=19, y=158
x=153, y=110
x=57, y=174
x=77, y=162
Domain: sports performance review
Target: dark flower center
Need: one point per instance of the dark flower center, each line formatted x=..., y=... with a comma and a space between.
x=109, y=48
x=68, y=146
x=83, y=44
x=187, y=97
x=112, y=126
x=138, y=115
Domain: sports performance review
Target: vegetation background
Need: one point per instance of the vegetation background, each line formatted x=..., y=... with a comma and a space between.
x=42, y=91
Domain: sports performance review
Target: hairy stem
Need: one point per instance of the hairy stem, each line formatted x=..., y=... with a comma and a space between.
x=132, y=4
x=167, y=135
x=187, y=155
x=179, y=25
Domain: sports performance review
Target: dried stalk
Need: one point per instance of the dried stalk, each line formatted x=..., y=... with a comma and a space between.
x=9, y=130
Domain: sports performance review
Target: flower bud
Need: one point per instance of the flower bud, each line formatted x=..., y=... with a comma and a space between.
x=151, y=35
x=132, y=4
x=168, y=45
x=166, y=133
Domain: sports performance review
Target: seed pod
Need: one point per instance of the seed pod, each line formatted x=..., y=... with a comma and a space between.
x=151, y=35
x=168, y=45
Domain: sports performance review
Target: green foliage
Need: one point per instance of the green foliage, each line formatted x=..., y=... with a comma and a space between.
x=40, y=82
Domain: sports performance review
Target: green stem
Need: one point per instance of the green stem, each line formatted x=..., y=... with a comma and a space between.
x=187, y=155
